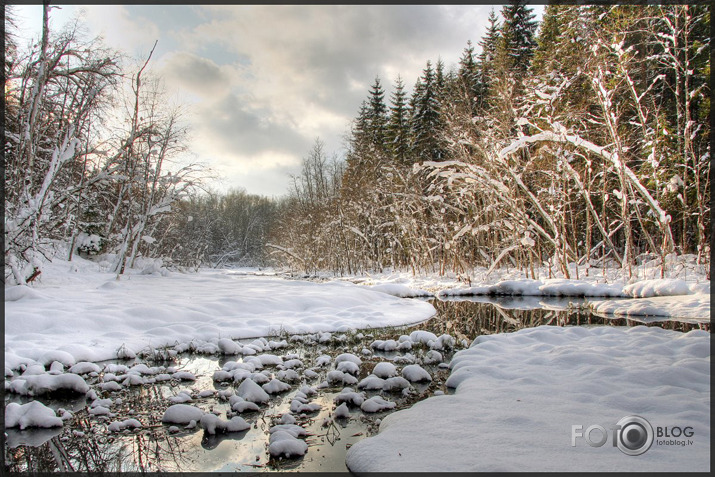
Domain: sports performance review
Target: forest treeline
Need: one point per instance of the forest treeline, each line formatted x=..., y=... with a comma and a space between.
x=585, y=140
x=586, y=143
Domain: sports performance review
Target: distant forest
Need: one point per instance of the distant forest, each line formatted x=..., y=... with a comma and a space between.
x=585, y=139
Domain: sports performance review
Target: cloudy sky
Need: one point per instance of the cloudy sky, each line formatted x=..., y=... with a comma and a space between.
x=262, y=82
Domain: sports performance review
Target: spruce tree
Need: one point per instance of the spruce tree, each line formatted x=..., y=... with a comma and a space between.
x=426, y=119
x=487, y=56
x=398, y=130
x=518, y=35
x=377, y=116
x=468, y=81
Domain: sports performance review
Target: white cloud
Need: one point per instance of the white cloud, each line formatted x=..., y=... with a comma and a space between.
x=265, y=80
x=121, y=30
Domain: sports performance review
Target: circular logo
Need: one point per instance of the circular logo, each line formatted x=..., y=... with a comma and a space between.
x=635, y=435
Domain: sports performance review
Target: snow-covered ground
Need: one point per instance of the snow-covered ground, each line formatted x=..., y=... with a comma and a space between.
x=77, y=312
x=518, y=396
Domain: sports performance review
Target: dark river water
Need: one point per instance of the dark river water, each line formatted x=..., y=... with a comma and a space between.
x=84, y=443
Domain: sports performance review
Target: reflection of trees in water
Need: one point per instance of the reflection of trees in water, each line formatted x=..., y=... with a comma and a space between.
x=468, y=319
x=85, y=445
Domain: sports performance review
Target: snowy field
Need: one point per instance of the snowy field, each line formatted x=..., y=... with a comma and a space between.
x=519, y=394
x=79, y=313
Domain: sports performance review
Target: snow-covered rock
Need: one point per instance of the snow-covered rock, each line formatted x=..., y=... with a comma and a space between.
x=276, y=386
x=415, y=373
x=182, y=414
x=384, y=370
x=213, y=424
x=32, y=414
x=252, y=392
x=376, y=404
x=37, y=385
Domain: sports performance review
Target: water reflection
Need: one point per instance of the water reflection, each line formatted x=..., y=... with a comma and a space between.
x=85, y=445
x=469, y=317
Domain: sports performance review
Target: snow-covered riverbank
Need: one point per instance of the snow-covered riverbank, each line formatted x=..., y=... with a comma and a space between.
x=518, y=396
x=79, y=313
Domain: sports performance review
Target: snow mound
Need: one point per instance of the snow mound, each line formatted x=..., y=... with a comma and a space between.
x=37, y=385
x=32, y=414
x=118, y=426
x=341, y=412
x=213, y=424
x=182, y=414
x=276, y=386
x=348, y=357
x=283, y=443
x=339, y=377
x=376, y=404
x=384, y=370
x=252, y=392
x=348, y=396
x=348, y=367
x=415, y=373
x=660, y=287
x=240, y=405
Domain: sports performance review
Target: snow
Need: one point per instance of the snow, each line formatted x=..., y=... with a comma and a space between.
x=384, y=345
x=421, y=336
x=118, y=426
x=689, y=308
x=252, y=392
x=396, y=383
x=32, y=414
x=283, y=443
x=276, y=386
x=371, y=382
x=348, y=357
x=74, y=315
x=415, y=373
x=432, y=357
x=213, y=424
x=182, y=414
x=85, y=367
x=240, y=405
x=400, y=290
x=289, y=375
x=384, y=370
x=338, y=377
x=341, y=412
x=659, y=287
x=348, y=367
x=376, y=404
x=37, y=385
x=517, y=396
x=349, y=396
x=547, y=287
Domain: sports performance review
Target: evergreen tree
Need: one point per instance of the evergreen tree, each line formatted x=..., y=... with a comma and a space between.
x=469, y=87
x=518, y=35
x=377, y=116
x=487, y=56
x=426, y=119
x=398, y=129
